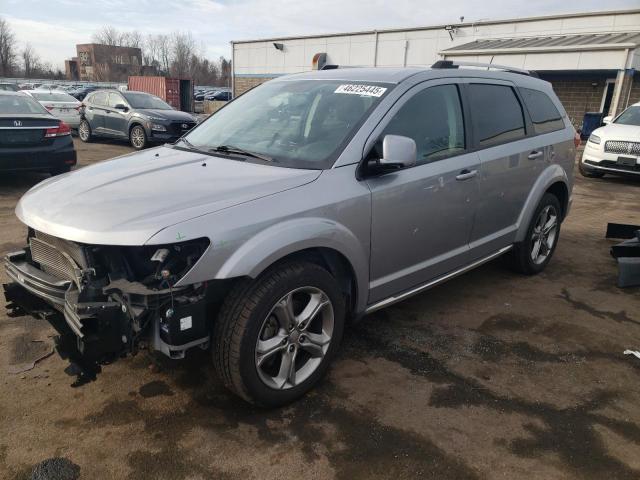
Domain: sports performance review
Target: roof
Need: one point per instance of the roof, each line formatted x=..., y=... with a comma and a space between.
x=396, y=75
x=370, y=74
x=458, y=25
x=592, y=41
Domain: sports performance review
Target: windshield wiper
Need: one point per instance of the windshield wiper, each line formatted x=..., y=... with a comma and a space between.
x=240, y=151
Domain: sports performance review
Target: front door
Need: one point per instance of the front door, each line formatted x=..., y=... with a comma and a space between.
x=422, y=216
x=115, y=119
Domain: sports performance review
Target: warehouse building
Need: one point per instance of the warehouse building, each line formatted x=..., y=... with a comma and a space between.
x=104, y=63
x=590, y=58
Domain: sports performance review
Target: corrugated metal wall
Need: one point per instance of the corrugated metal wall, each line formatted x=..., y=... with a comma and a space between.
x=167, y=89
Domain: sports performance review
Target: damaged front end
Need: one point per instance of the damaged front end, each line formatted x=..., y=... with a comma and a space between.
x=109, y=301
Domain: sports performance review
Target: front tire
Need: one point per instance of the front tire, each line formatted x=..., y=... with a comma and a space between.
x=138, y=137
x=275, y=337
x=532, y=255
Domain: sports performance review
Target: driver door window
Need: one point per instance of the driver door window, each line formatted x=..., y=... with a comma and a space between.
x=433, y=119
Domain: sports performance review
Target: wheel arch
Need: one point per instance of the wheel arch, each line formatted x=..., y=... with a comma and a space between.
x=553, y=180
x=320, y=240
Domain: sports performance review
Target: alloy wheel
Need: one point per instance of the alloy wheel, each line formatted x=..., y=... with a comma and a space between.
x=137, y=137
x=294, y=338
x=544, y=234
x=83, y=131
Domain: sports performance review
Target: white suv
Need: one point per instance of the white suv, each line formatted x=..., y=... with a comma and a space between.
x=614, y=148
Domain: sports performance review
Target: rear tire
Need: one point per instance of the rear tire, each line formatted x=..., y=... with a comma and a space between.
x=138, y=137
x=275, y=337
x=532, y=255
x=589, y=173
x=84, y=131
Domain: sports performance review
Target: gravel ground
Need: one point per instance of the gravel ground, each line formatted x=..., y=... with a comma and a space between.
x=492, y=375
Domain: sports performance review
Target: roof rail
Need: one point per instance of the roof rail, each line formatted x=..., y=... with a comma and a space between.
x=489, y=66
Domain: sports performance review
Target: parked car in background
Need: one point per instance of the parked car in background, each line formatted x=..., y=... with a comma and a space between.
x=199, y=96
x=615, y=147
x=308, y=200
x=221, y=95
x=9, y=87
x=50, y=86
x=60, y=104
x=31, y=138
x=82, y=92
x=140, y=117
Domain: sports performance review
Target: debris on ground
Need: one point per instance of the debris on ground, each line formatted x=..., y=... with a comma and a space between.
x=635, y=353
x=25, y=367
x=627, y=253
x=56, y=468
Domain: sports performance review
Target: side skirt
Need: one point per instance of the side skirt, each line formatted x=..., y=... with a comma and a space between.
x=426, y=286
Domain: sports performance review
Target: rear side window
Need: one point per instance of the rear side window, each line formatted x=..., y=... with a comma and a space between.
x=544, y=114
x=497, y=114
x=433, y=118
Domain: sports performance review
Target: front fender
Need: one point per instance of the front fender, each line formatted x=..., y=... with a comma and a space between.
x=552, y=174
x=266, y=247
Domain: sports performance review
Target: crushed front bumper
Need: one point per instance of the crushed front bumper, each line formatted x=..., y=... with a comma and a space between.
x=97, y=329
x=90, y=333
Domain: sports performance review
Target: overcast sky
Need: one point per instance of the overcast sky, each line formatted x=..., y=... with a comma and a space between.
x=53, y=27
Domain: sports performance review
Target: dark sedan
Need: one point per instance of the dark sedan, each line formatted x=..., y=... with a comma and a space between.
x=31, y=138
x=137, y=116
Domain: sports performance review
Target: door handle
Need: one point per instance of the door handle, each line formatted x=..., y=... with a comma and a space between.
x=535, y=154
x=466, y=174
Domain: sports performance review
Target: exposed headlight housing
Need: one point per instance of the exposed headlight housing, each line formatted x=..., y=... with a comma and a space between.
x=156, y=266
x=594, y=139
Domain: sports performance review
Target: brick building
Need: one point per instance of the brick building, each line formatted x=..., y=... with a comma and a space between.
x=590, y=58
x=104, y=63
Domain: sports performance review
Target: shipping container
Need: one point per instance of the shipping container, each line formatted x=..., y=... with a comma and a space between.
x=177, y=92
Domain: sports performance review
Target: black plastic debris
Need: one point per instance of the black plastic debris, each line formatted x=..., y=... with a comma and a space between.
x=57, y=468
x=627, y=253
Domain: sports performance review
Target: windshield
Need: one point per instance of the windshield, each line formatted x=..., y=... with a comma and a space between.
x=631, y=116
x=20, y=104
x=297, y=123
x=144, y=100
x=53, y=97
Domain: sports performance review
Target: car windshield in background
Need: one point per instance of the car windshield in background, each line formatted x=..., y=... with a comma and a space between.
x=299, y=124
x=146, y=101
x=19, y=104
x=631, y=116
x=53, y=97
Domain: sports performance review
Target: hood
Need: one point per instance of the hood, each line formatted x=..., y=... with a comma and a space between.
x=125, y=201
x=616, y=131
x=167, y=114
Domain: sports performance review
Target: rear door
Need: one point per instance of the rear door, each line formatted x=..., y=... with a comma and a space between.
x=422, y=216
x=510, y=162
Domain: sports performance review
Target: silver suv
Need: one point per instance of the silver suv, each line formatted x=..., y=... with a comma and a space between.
x=309, y=200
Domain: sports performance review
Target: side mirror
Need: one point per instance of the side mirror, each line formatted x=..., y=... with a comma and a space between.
x=122, y=107
x=398, y=152
x=607, y=120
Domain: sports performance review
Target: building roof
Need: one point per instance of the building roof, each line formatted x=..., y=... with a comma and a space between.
x=593, y=41
x=456, y=25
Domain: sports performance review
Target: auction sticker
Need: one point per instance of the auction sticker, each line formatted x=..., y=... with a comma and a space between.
x=366, y=90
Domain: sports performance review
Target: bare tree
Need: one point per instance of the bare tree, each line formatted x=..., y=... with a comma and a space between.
x=108, y=35
x=131, y=39
x=7, y=48
x=183, y=49
x=30, y=60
